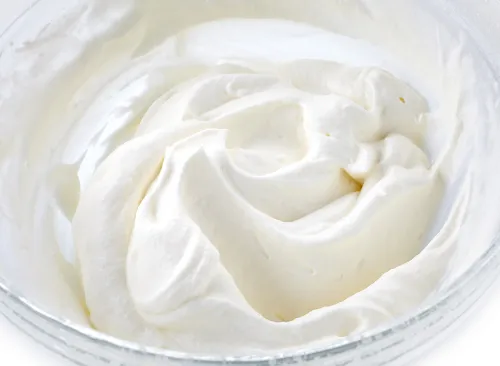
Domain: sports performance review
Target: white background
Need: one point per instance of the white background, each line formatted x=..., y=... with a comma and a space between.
x=473, y=343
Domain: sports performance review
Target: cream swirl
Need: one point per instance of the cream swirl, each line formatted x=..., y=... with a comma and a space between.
x=255, y=191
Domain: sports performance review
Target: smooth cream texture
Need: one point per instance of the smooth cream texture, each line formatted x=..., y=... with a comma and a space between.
x=237, y=200
x=219, y=183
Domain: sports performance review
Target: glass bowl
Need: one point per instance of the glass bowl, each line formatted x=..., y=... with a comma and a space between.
x=391, y=344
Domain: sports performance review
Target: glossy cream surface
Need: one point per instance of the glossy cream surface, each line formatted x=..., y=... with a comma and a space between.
x=243, y=178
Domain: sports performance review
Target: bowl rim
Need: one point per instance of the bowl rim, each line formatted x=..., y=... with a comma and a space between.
x=457, y=290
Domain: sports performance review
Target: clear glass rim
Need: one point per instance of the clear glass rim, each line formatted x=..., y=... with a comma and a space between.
x=457, y=291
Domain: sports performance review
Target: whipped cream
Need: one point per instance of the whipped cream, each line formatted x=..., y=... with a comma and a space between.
x=241, y=179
